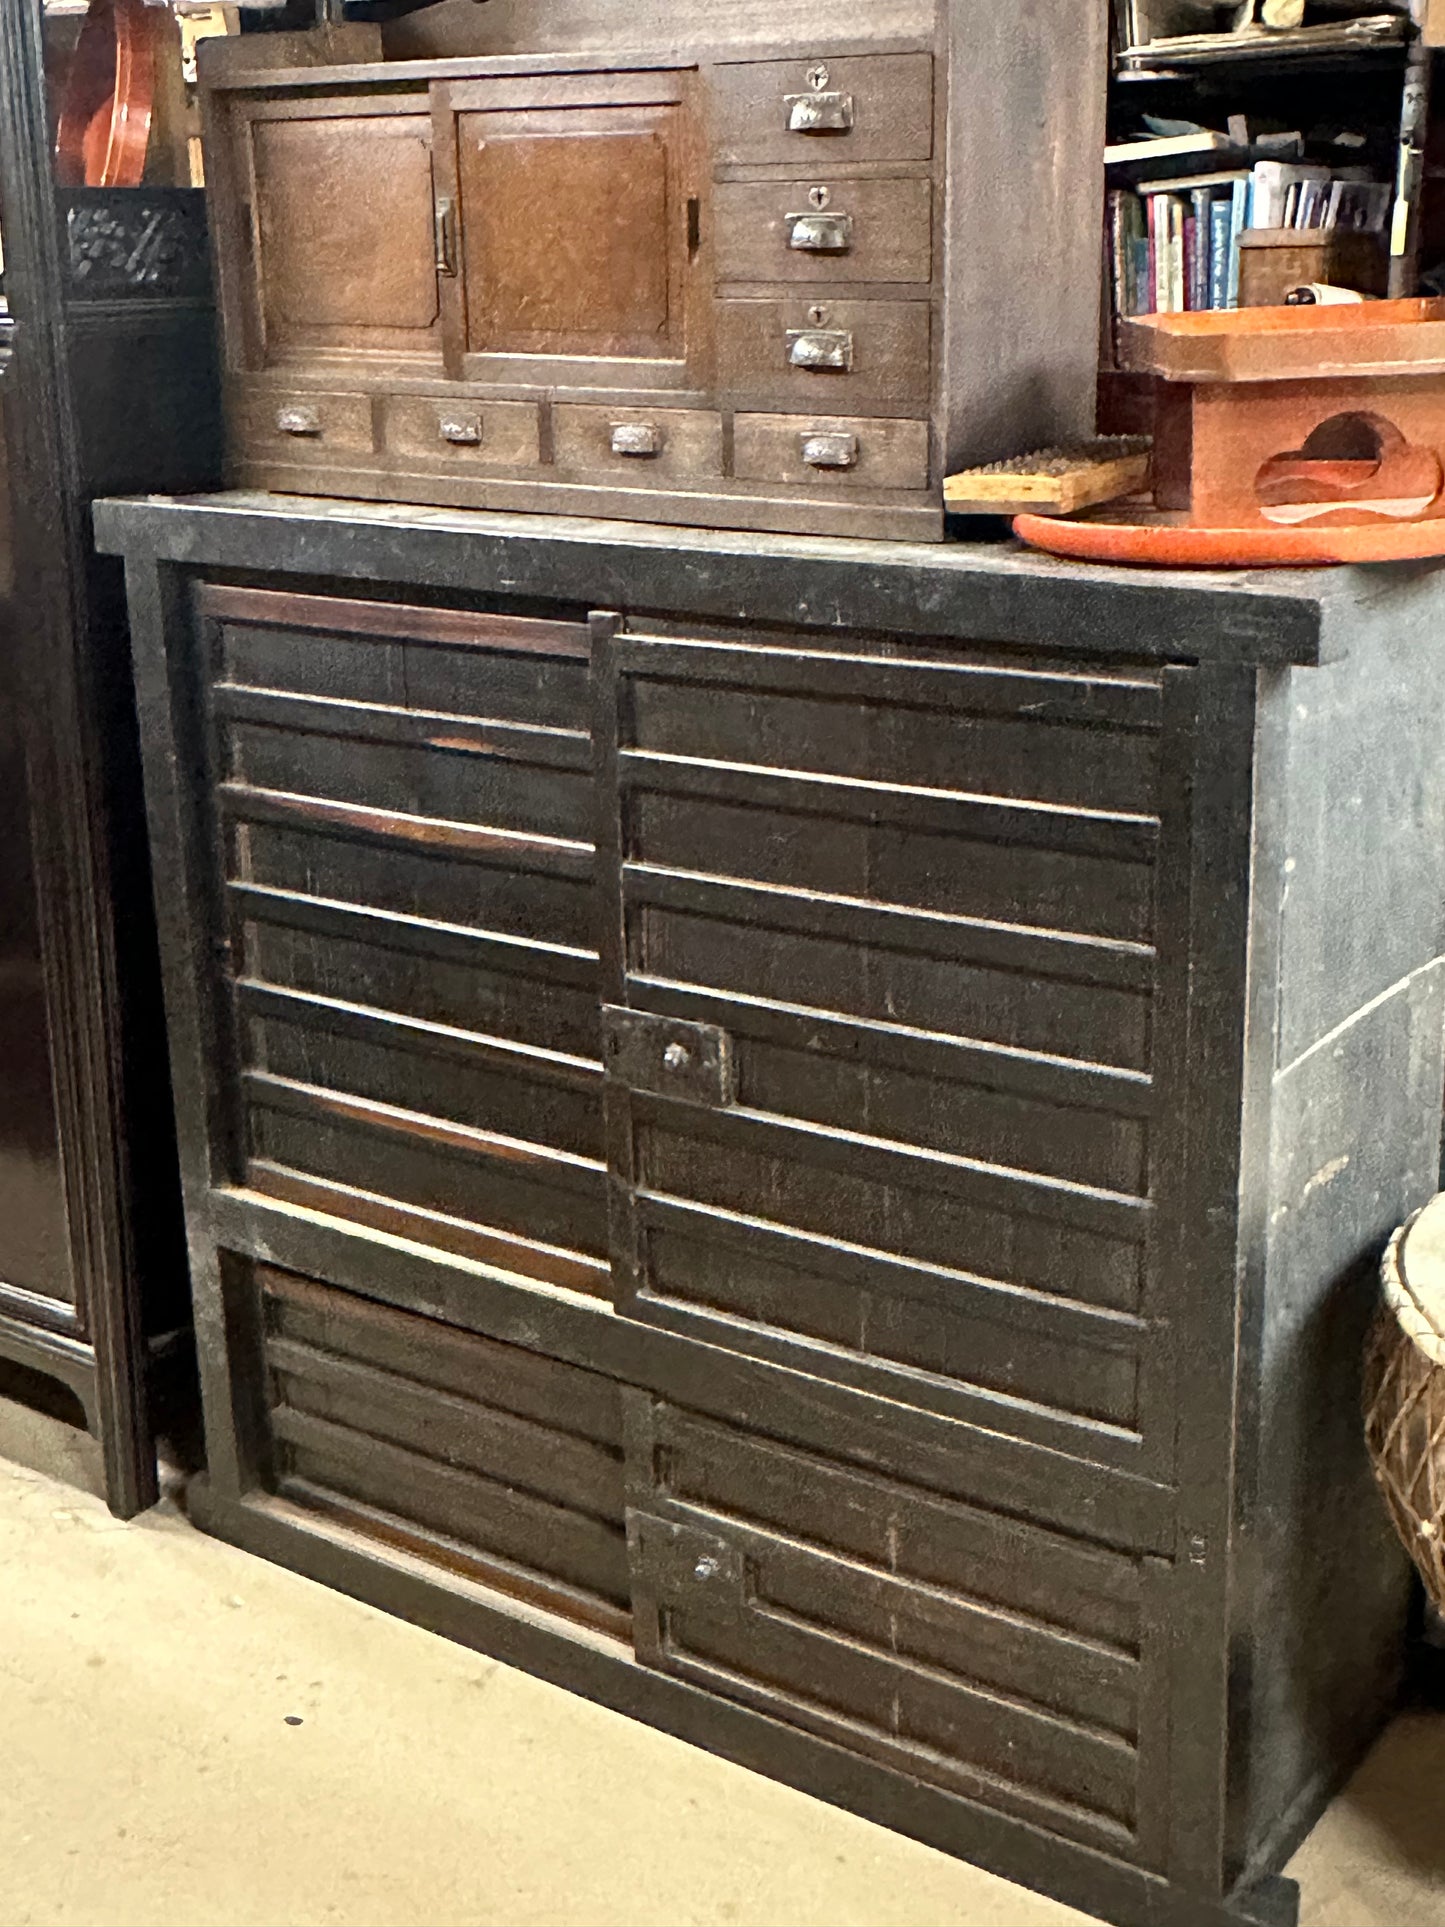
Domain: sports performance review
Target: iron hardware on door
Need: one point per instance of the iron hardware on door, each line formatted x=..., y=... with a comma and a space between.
x=830, y=450
x=821, y=348
x=446, y=235
x=669, y=1058
x=816, y=233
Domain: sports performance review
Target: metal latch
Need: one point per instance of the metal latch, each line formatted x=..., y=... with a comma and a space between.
x=446, y=234
x=830, y=450
x=668, y=1057
x=819, y=113
x=820, y=233
x=821, y=348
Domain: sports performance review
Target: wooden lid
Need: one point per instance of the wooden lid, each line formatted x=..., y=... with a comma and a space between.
x=1288, y=344
x=1414, y=1275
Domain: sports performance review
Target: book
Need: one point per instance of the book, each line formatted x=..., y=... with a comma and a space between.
x=1203, y=219
x=1175, y=255
x=1174, y=153
x=1238, y=217
x=1221, y=215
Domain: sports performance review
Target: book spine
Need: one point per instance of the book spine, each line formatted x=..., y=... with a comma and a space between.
x=1117, y=242
x=1221, y=215
x=1238, y=221
x=1158, y=253
x=1178, y=287
x=1203, y=230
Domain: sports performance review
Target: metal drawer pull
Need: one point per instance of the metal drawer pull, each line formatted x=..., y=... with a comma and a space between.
x=819, y=113
x=822, y=348
x=636, y=438
x=298, y=421
x=820, y=233
x=830, y=451
x=461, y=431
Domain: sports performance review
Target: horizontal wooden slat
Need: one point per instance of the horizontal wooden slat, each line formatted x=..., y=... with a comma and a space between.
x=420, y=936
x=464, y=1432
x=1091, y=960
x=561, y=1168
x=925, y=1053
x=481, y=1512
x=1106, y=1213
x=544, y=748
x=865, y=1269
x=549, y=855
x=1109, y=834
x=368, y=1024
x=1121, y=702
x=500, y=1250
x=451, y=628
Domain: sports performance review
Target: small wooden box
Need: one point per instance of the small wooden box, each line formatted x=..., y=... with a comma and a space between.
x=1274, y=260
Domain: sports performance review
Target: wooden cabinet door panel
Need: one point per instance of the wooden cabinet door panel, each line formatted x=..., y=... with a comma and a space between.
x=338, y=210
x=571, y=220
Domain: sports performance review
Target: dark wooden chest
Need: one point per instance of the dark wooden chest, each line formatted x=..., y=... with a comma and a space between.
x=796, y=1138
x=666, y=264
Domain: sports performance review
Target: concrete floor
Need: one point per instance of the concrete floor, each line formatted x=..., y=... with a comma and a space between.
x=192, y=1736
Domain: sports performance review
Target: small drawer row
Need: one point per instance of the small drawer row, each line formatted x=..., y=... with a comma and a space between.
x=867, y=107
x=651, y=447
x=825, y=231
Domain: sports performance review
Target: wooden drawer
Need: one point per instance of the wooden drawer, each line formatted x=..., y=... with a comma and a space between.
x=828, y=452
x=823, y=230
x=964, y=1647
x=642, y=445
x=859, y=108
x=826, y=353
x=301, y=425
x=435, y=428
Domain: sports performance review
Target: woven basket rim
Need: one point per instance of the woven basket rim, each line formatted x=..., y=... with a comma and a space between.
x=1417, y=1299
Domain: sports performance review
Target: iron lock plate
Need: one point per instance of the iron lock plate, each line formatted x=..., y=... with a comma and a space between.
x=668, y=1057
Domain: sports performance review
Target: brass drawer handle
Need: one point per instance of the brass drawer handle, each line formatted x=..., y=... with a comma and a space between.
x=461, y=431
x=831, y=450
x=820, y=348
x=298, y=421
x=819, y=113
x=820, y=233
x=636, y=438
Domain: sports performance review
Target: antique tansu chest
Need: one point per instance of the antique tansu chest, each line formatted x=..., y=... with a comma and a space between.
x=756, y=267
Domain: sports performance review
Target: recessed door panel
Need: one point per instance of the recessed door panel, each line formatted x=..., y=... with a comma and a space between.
x=572, y=221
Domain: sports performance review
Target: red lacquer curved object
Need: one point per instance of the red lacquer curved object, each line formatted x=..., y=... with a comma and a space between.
x=1164, y=544
x=108, y=98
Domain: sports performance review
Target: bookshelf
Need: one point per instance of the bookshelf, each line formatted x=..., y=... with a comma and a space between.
x=1357, y=95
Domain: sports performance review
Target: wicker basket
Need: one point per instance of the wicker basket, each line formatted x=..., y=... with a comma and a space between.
x=1405, y=1392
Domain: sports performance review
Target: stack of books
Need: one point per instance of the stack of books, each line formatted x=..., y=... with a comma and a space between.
x=1174, y=243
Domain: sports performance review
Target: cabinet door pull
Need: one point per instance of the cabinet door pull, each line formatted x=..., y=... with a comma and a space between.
x=820, y=233
x=446, y=234
x=830, y=450
x=821, y=348
x=298, y=420
x=636, y=438
x=461, y=431
x=819, y=113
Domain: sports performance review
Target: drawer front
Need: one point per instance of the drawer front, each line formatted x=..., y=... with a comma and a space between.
x=300, y=426
x=823, y=354
x=473, y=1455
x=831, y=452
x=640, y=445
x=440, y=429
x=859, y=108
x=821, y=230
x=1002, y=1661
